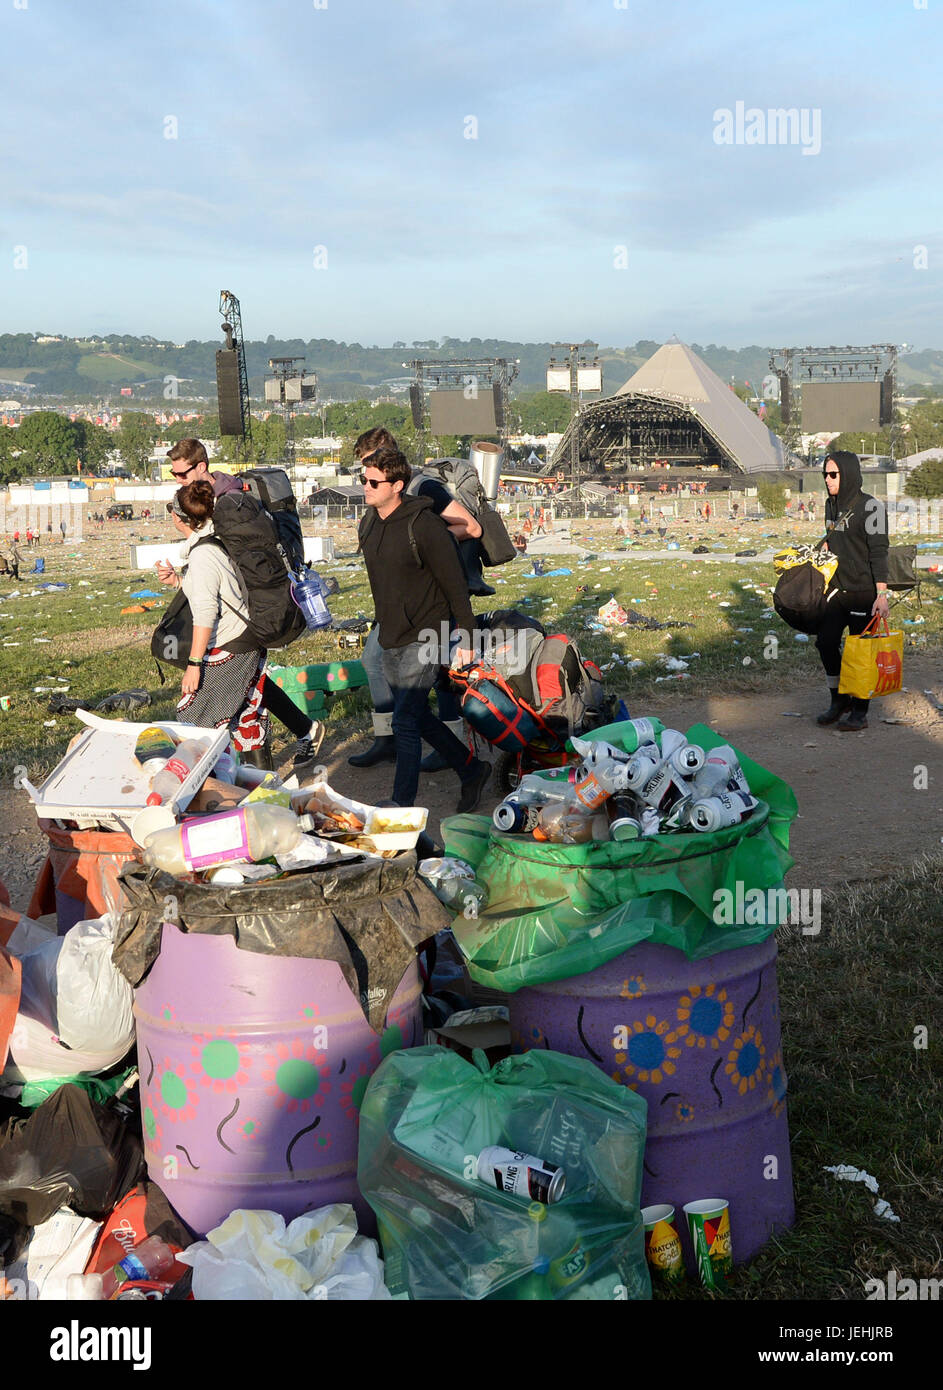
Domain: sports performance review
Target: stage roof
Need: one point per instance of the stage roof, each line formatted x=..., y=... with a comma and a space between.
x=678, y=375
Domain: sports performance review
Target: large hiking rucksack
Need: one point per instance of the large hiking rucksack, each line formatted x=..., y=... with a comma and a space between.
x=458, y=476
x=558, y=694
x=248, y=534
x=272, y=487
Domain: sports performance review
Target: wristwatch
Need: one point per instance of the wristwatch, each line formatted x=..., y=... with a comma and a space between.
x=192, y=662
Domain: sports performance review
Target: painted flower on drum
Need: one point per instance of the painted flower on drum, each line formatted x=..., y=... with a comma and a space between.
x=152, y=1128
x=220, y=1061
x=249, y=1129
x=633, y=988
x=353, y=1090
x=776, y=1083
x=684, y=1111
x=649, y=1054
x=178, y=1094
x=705, y=1016
x=747, y=1062
x=296, y=1076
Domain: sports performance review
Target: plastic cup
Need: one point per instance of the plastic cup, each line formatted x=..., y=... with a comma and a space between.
x=663, y=1245
x=709, y=1225
x=5, y=702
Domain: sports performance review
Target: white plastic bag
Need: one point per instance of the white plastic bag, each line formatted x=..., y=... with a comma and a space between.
x=75, y=995
x=253, y=1255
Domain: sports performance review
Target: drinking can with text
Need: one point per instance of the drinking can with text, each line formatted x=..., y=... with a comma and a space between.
x=523, y=1174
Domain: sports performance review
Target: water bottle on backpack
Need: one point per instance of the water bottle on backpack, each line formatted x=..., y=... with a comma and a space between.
x=308, y=592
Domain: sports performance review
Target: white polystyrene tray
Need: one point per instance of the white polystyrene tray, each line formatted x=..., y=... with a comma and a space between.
x=99, y=779
x=415, y=816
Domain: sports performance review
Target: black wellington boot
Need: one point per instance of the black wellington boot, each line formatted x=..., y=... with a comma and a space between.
x=840, y=705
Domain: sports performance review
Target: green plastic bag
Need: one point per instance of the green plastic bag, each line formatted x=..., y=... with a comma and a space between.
x=555, y=911
x=446, y=1234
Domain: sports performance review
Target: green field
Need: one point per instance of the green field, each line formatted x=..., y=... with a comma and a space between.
x=103, y=367
x=732, y=641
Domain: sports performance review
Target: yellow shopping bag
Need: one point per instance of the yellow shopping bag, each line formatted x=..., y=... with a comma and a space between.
x=872, y=664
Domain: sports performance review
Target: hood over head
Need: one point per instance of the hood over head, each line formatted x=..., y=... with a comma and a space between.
x=849, y=484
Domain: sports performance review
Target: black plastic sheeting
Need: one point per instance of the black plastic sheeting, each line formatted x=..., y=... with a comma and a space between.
x=367, y=915
x=69, y=1152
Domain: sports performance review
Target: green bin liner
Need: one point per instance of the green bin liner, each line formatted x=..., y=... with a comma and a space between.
x=555, y=911
x=447, y=1234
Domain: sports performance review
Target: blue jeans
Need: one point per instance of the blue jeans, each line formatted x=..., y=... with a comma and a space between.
x=410, y=678
x=382, y=695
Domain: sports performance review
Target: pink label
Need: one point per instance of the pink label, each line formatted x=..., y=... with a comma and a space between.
x=215, y=840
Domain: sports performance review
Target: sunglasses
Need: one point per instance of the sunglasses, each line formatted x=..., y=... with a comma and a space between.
x=833, y=475
x=372, y=482
x=178, y=476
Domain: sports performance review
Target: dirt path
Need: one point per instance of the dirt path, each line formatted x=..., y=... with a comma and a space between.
x=860, y=813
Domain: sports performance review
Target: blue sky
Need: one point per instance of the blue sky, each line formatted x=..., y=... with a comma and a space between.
x=344, y=127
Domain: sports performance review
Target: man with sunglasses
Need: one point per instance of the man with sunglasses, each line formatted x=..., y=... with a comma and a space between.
x=857, y=536
x=417, y=584
x=461, y=525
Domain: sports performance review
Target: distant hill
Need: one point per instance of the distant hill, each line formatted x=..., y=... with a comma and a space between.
x=86, y=368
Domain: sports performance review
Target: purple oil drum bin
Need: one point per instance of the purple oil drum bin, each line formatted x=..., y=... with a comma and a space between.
x=253, y=1068
x=700, y=1040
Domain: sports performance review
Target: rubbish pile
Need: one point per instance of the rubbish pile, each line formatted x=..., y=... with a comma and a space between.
x=257, y=1061
x=653, y=781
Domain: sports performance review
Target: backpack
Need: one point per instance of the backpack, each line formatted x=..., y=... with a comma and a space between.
x=461, y=479
x=244, y=529
x=568, y=689
x=458, y=475
x=272, y=488
x=805, y=584
x=558, y=693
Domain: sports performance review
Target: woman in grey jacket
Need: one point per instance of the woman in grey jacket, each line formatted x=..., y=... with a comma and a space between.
x=219, y=687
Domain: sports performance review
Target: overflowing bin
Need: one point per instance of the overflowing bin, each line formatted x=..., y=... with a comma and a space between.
x=261, y=1013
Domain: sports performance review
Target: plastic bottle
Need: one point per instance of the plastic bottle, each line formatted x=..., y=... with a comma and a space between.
x=169, y=779
x=149, y=1259
x=536, y=790
x=308, y=593
x=154, y=749
x=633, y=733
x=593, y=784
x=562, y=824
x=246, y=833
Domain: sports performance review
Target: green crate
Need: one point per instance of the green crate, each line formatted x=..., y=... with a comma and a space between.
x=309, y=686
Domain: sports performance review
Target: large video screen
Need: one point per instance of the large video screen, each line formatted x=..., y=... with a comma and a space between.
x=841, y=405
x=452, y=412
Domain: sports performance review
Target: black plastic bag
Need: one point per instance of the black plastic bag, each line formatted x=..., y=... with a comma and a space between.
x=69, y=1152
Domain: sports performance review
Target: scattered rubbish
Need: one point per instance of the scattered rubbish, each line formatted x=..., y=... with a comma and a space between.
x=800, y=636
x=126, y=699
x=848, y=1173
x=147, y=593
x=790, y=714
x=256, y=1255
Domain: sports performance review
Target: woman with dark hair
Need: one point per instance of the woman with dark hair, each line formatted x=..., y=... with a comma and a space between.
x=857, y=535
x=219, y=687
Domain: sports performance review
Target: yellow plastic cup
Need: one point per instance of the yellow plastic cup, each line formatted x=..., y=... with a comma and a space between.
x=663, y=1245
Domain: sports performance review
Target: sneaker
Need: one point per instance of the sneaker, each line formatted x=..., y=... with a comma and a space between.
x=472, y=786
x=307, y=749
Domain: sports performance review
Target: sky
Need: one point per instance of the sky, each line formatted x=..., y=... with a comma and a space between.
x=533, y=170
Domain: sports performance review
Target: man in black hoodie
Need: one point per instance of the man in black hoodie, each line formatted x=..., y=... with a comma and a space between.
x=857, y=535
x=417, y=582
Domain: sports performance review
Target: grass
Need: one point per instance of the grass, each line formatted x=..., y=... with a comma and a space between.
x=106, y=367
x=80, y=634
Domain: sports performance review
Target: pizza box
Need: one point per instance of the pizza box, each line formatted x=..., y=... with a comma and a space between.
x=100, y=781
